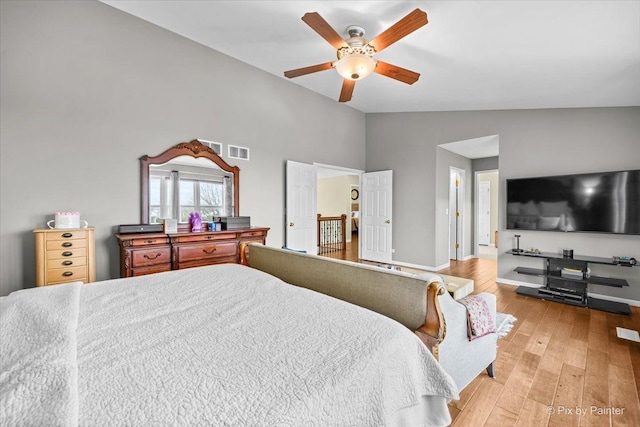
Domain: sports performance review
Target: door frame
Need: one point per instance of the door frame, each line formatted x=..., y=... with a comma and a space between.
x=476, y=246
x=461, y=199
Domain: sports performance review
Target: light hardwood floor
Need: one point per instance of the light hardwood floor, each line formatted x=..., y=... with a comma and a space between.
x=561, y=365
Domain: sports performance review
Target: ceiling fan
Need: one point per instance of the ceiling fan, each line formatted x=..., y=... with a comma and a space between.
x=355, y=54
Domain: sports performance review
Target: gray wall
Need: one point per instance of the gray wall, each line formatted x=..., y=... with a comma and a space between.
x=532, y=143
x=485, y=164
x=87, y=89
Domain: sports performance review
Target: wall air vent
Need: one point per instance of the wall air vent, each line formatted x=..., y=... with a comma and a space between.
x=236, y=152
x=215, y=146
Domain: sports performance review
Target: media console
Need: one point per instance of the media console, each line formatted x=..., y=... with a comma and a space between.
x=567, y=279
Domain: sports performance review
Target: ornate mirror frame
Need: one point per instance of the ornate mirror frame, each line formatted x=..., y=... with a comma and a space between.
x=192, y=149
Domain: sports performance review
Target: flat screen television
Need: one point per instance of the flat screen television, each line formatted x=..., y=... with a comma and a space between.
x=605, y=202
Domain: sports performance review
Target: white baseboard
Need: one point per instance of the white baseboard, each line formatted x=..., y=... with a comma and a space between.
x=590, y=294
x=515, y=282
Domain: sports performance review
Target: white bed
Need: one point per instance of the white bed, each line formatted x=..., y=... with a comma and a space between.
x=220, y=345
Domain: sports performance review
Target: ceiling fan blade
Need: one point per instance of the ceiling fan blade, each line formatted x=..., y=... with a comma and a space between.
x=395, y=72
x=317, y=22
x=308, y=70
x=400, y=29
x=347, y=90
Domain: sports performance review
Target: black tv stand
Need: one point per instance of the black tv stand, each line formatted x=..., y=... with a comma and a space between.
x=566, y=281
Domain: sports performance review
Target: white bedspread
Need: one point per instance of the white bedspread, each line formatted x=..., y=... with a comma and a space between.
x=221, y=345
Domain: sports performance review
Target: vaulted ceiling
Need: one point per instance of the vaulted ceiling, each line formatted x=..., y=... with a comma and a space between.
x=472, y=55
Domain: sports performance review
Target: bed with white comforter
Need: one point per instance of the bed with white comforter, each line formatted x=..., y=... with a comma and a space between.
x=221, y=345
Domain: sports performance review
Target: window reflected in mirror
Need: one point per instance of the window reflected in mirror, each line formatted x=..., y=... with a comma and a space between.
x=176, y=190
x=188, y=177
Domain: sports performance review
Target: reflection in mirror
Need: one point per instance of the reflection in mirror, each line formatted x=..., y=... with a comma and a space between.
x=189, y=177
x=184, y=185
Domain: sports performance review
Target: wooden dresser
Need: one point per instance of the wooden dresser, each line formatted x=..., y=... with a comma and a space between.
x=65, y=255
x=147, y=253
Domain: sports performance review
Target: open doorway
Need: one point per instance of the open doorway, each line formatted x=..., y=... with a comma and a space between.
x=471, y=156
x=338, y=195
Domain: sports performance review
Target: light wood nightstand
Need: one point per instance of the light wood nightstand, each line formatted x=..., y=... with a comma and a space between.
x=65, y=255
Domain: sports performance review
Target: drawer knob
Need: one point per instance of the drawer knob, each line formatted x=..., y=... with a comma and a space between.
x=67, y=273
x=150, y=241
x=67, y=262
x=67, y=253
x=152, y=257
x=209, y=252
x=67, y=235
x=67, y=244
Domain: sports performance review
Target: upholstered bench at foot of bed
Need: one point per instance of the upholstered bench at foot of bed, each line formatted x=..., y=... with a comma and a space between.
x=461, y=358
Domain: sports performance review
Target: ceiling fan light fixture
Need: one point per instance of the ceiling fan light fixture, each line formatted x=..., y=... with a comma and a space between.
x=355, y=66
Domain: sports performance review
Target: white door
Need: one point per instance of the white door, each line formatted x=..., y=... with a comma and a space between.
x=484, y=213
x=375, y=216
x=301, y=201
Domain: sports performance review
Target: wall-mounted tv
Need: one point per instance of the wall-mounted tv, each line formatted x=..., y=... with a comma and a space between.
x=606, y=202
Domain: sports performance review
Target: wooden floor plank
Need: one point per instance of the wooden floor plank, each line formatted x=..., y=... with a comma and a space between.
x=553, y=357
x=501, y=418
x=568, y=398
x=543, y=389
x=596, y=388
x=517, y=387
x=623, y=402
x=533, y=414
x=576, y=354
x=477, y=411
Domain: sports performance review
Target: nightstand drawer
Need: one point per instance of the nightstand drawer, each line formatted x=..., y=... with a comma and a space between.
x=69, y=274
x=66, y=262
x=66, y=253
x=145, y=257
x=66, y=244
x=65, y=235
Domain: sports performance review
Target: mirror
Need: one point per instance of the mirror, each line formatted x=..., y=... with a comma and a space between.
x=185, y=178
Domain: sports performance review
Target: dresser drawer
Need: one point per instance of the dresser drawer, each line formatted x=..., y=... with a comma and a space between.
x=150, y=240
x=255, y=234
x=66, y=244
x=68, y=274
x=67, y=262
x=198, y=237
x=151, y=256
x=66, y=253
x=150, y=270
x=203, y=251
